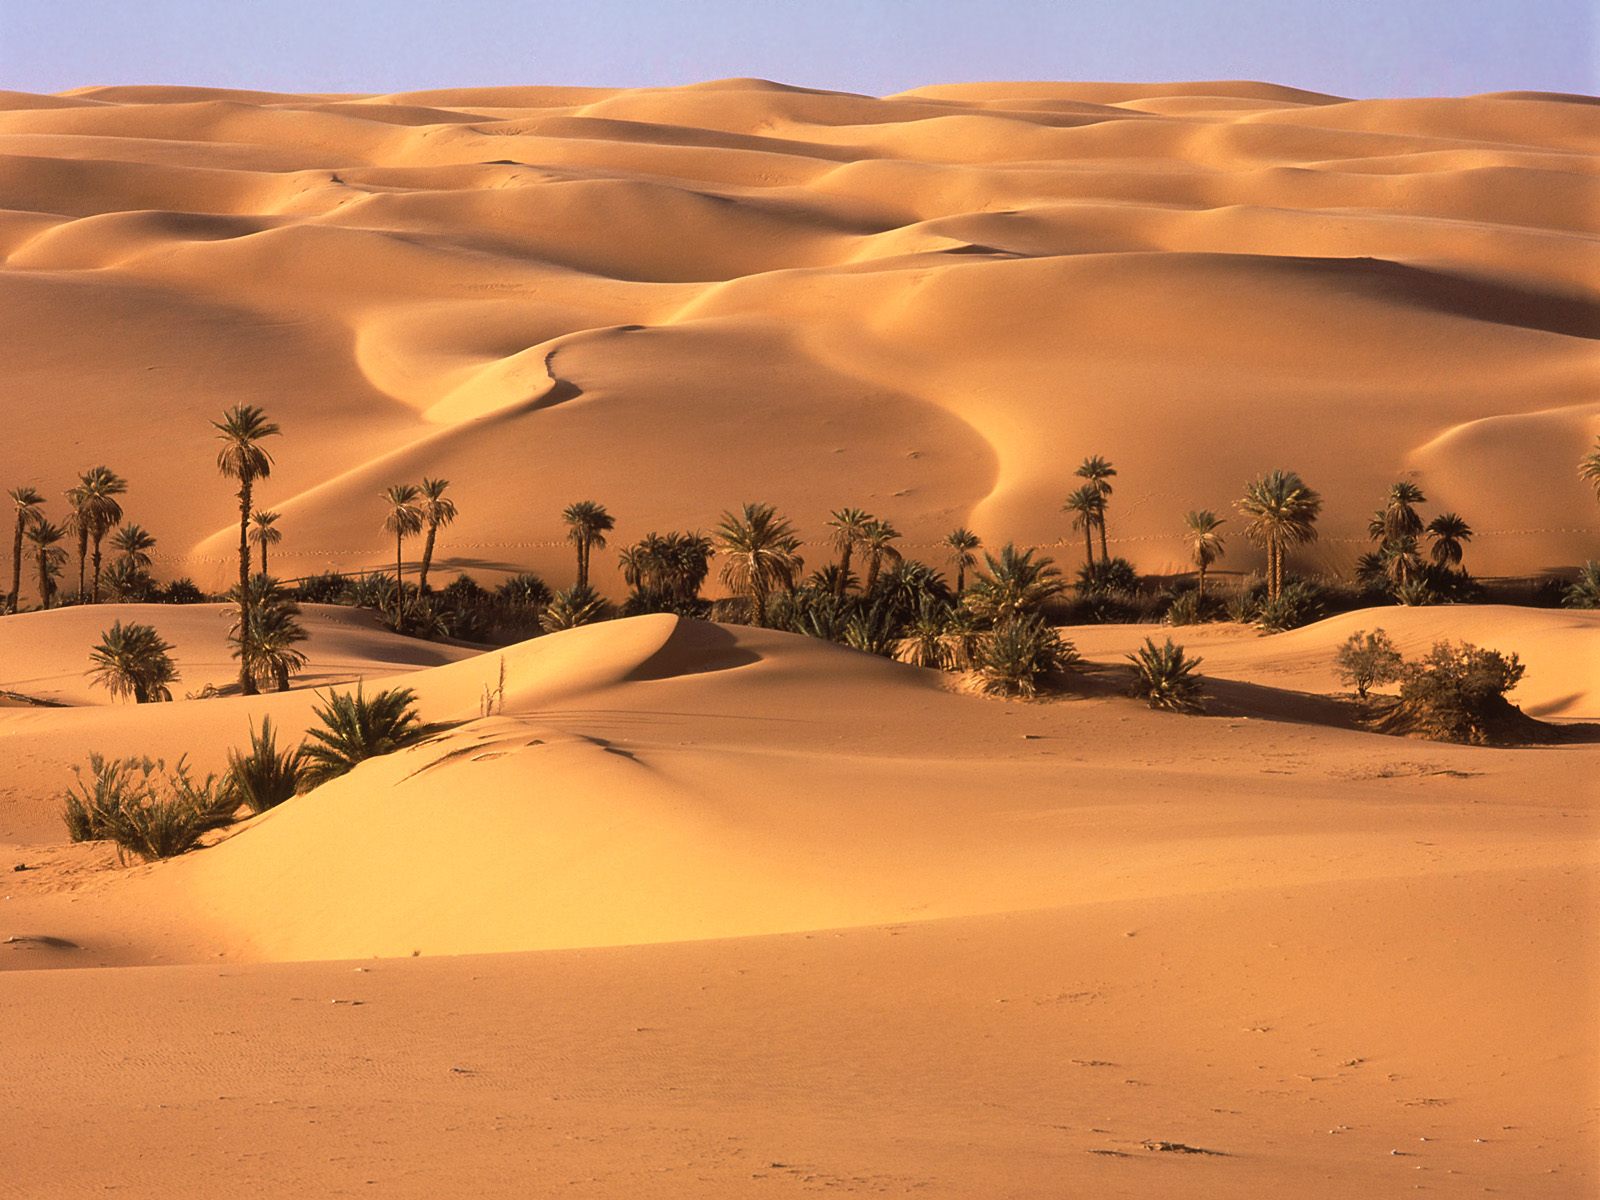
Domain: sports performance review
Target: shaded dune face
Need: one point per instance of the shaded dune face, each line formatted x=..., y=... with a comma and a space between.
x=931, y=305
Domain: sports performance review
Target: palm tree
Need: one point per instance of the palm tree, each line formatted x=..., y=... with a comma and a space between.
x=103, y=513
x=1016, y=584
x=43, y=535
x=1450, y=532
x=1088, y=508
x=1589, y=468
x=1206, y=545
x=134, y=660
x=850, y=526
x=1099, y=473
x=587, y=526
x=761, y=550
x=961, y=542
x=878, y=541
x=78, y=524
x=404, y=520
x=274, y=632
x=1282, y=512
x=29, y=508
x=242, y=430
x=264, y=532
x=438, y=510
x=133, y=544
x=1398, y=518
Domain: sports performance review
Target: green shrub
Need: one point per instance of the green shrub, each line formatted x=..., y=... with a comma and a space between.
x=1185, y=609
x=572, y=608
x=357, y=727
x=266, y=776
x=330, y=587
x=1457, y=693
x=1165, y=677
x=1113, y=575
x=1021, y=654
x=1367, y=660
x=1585, y=590
x=143, y=807
x=1299, y=603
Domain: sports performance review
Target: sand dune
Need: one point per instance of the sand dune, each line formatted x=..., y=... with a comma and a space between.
x=1023, y=273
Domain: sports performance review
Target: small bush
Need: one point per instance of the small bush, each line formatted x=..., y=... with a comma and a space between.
x=1457, y=693
x=181, y=591
x=143, y=807
x=1021, y=654
x=1115, y=575
x=1165, y=677
x=1298, y=603
x=1185, y=609
x=266, y=776
x=330, y=587
x=1367, y=660
x=357, y=727
x=573, y=607
x=1585, y=590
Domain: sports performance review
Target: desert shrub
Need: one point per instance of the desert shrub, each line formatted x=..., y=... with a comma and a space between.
x=181, y=591
x=872, y=628
x=1299, y=603
x=144, y=807
x=127, y=582
x=134, y=660
x=266, y=776
x=526, y=590
x=330, y=587
x=572, y=608
x=1165, y=677
x=374, y=591
x=1457, y=693
x=1113, y=575
x=1584, y=592
x=1185, y=609
x=1020, y=655
x=356, y=727
x=1367, y=660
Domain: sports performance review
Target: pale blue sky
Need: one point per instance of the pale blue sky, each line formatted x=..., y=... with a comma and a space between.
x=1353, y=47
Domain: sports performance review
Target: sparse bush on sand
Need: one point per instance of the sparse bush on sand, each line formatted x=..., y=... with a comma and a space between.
x=144, y=807
x=1164, y=677
x=1457, y=693
x=1020, y=655
x=356, y=727
x=266, y=776
x=1368, y=660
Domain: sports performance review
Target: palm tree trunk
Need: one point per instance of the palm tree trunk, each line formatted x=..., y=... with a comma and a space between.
x=961, y=578
x=247, y=681
x=872, y=573
x=583, y=565
x=16, y=568
x=96, y=596
x=427, y=557
x=1088, y=542
x=83, y=550
x=844, y=571
x=758, y=599
x=44, y=581
x=1105, y=555
x=1201, y=591
x=399, y=587
x=263, y=557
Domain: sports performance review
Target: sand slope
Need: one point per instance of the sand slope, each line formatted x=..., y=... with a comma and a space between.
x=930, y=304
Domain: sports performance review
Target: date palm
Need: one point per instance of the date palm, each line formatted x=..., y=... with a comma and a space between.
x=438, y=511
x=1099, y=472
x=961, y=542
x=275, y=631
x=134, y=660
x=1398, y=518
x=242, y=430
x=849, y=527
x=1087, y=507
x=133, y=544
x=1014, y=584
x=404, y=519
x=43, y=538
x=1206, y=545
x=1450, y=533
x=1589, y=468
x=102, y=486
x=1281, y=511
x=761, y=551
x=264, y=532
x=29, y=507
x=588, y=523
x=878, y=541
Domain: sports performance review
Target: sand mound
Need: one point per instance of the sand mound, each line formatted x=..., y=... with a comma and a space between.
x=930, y=304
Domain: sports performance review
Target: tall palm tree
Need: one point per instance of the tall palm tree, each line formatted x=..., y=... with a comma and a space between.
x=134, y=660
x=761, y=551
x=1589, y=468
x=1282, y=512
x=275, y=630
x=264, y=532
x=1099, y=473
x=242, y=430
x=403, y=520
x=1398, y=518
x=1088, y=508
x=42, y=536
x=133, y=544
x=587, y=525
x=849, y=527
x=878, y=541
x=78, y=522
x=1450, y=533
x=438, y=510
x=1206, y=545
x=29, y=505
x=102, y=486
x=961, y=542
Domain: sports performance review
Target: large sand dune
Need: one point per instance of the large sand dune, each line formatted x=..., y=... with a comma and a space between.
x=931, y=305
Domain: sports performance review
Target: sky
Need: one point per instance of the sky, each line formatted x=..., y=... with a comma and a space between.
x=1348, y=47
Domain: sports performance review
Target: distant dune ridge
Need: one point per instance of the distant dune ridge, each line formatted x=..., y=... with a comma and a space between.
x=930, y=304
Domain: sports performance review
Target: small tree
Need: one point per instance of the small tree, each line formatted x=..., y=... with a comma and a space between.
x=1020, y=655
x=1367, y=660
x=1457, y=693
x=134, y=660
x=356, y=727
x=1164, y=677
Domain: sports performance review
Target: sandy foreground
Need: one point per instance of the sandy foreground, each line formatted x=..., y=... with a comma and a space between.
x=716, y=911
x=929, y=305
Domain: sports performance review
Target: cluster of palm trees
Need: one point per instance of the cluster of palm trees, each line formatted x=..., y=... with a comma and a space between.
x=1088, y=506
x=413, y=509
x=1397, y=529
x=94, y=513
